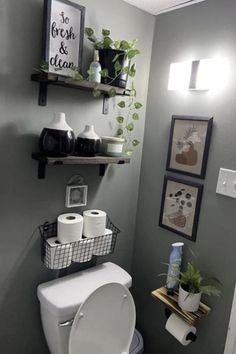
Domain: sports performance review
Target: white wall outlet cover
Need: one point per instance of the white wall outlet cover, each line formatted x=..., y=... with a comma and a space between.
x=226, y=184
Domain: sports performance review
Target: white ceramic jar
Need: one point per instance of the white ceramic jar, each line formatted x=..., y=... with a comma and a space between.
x=112, y=146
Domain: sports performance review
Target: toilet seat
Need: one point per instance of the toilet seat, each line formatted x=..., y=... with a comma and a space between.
x=104, y=323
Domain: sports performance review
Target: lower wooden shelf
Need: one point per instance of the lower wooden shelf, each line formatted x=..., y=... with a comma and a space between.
x=102, y=161
x=171, y=302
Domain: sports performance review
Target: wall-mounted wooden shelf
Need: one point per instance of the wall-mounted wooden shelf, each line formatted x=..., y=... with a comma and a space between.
x=45, y=79
x=102, y=161
x=171, y=302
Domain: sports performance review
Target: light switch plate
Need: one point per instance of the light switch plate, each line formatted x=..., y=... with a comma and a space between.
x=226, y=184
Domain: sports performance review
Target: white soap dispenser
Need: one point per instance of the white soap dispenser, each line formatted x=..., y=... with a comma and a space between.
x=95, y=69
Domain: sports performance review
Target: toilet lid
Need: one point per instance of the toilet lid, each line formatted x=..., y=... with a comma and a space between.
x=104, y=323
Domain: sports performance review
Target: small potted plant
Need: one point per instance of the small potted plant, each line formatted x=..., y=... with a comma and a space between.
x=191, y=287
x=114, y=56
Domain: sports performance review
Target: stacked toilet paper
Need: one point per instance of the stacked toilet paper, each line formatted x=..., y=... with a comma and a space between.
x=69, y=245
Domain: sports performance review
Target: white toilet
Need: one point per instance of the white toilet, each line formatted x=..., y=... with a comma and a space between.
x=90, y=312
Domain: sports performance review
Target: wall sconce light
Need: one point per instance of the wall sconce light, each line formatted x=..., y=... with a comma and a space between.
x=202, y=75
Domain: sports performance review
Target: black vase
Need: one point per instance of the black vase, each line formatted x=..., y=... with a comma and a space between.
x=57, y=139
x=106, y=57
x=88, y=142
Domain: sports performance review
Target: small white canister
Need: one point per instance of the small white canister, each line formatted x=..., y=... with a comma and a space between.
x=112, y=146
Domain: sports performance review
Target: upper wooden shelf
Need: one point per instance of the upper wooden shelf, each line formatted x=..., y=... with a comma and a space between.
x=102, y=161
x=46, y=79
x=171, y=303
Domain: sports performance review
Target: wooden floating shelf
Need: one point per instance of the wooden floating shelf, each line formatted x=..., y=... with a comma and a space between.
x=102, y=161
x=45, y=79
x=171, y=302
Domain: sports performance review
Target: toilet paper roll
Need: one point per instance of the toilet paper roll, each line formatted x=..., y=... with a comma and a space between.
x=102, y=244
x=82, y=250
x=179, y=329
x=69, y=227
x=94, y=223
x=57, y=256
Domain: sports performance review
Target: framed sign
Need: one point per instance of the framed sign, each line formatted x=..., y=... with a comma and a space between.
x=180, y=207
x=76, y=196
x=63, y=33
x=189, y=145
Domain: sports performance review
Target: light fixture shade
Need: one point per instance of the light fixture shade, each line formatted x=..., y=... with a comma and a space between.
x=200, y=75
x=179, y=75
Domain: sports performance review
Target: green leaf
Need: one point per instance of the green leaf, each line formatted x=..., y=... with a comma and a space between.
x=124, y=45
x=99, y=45
x=120, y=119
x=107, y=42
x=138, y=105
x=112, y=92
x=104, y=73
x=117, y=66
x=135, y=116
x=130, y=127
x=121, y=104
x=125, y=70
x=96, y=93
x=135, y=142
x=129, y=152
x=132, y=71
x=119, y=132
x=117, y=44
x=89, y=31
x=105, y=32
x=132, y=53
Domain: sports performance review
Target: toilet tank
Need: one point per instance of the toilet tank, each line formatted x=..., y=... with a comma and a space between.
x=61, y=298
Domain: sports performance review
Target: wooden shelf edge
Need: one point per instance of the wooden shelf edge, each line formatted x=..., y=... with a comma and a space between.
x=102, y=161
x=52, y=79
x=171, y=302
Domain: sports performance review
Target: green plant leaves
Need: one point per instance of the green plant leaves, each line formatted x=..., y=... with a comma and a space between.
x=117, y=44
x=117, y=66
x=104, y=73
x=121, y=104
x=120, y=119
x=107, y=42
x=89, y=31
x=96, y=93
x=132, y=53
x=135, y=142
x=106, y=32
x=119, y=132
x=135, y=116
x=130, y=127
x=124, y=45
x=138, y=105
x=129, y=152
x=112, y=92
x=132, y=71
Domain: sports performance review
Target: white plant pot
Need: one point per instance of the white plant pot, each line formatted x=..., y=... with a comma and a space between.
x=187, y=301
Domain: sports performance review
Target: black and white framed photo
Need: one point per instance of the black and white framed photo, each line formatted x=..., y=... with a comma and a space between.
x=180, y=207
x=63, y=33
x=189, y=145
x=76, y=196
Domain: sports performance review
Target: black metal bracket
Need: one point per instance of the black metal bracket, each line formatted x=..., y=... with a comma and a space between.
x=102, y=169
x=43, y=91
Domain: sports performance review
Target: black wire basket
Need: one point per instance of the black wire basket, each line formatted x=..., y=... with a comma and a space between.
x=56, y=255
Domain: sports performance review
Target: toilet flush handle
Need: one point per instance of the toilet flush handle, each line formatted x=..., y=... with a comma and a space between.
x=67, y=323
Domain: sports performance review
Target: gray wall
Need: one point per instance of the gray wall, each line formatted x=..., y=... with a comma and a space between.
x=199, y=31
x=27, y=202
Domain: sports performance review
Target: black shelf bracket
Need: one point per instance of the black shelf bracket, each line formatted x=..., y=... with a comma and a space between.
x=43, y=91
x=102, y=169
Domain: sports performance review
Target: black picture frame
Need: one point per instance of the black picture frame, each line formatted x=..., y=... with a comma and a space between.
x=192, y=163
x=79, y=35
x=183, y=222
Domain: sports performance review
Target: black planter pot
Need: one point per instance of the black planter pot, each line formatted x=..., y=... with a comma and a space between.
x=106, y=57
